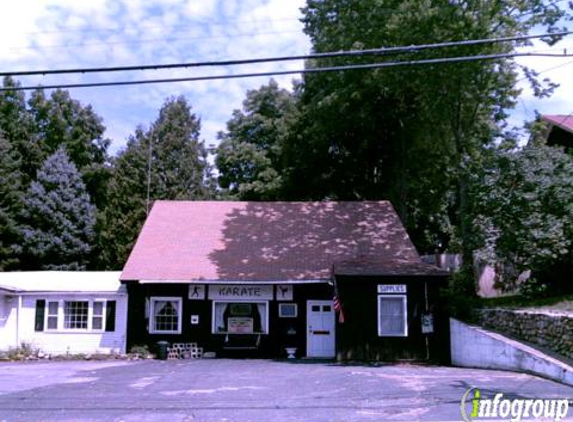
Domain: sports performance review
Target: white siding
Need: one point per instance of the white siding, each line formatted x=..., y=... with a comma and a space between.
x=58, y=342
x=8, y=308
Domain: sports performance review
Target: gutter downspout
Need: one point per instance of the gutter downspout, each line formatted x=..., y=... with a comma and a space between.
x=427, y=302
x=18, y=308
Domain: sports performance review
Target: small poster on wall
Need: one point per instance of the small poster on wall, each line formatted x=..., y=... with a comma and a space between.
x=196, y=292
x=427, y=323
x=284, y=292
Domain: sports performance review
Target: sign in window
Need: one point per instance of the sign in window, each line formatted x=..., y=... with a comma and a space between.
x=240, y=317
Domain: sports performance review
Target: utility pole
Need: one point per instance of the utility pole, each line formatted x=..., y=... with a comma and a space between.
x=149, y=173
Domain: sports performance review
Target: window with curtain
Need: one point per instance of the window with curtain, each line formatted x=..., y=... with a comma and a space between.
x=165, y=315
x=392, y=316
x=240, y=317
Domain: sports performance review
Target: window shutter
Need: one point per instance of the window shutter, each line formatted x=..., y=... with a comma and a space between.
x=110, y=316
x=40, y=312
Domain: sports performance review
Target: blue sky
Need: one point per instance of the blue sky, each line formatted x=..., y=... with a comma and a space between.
x=53, y=34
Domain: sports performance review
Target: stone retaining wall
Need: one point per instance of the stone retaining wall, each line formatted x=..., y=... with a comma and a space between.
x=552, y=331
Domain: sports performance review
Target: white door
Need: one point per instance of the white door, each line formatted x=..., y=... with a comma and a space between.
x=320, y=329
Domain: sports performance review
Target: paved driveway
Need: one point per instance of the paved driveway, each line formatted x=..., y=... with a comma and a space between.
x=248, y=390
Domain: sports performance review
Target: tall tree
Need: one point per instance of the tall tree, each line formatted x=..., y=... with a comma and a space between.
x=167, y=161
x=405, y=133
x=248, y=157
x=522, y=214
x=59, y=120
x=10, y=206
x=59, y=218
x=178, y=159
x=16, y=126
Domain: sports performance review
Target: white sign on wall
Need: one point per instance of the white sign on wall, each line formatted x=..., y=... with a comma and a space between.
x=391, y=288
x=284, y=292
x=427, y=323
x=244, y=291
x=240, y=325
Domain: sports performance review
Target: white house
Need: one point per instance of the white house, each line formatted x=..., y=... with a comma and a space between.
x=62, y=312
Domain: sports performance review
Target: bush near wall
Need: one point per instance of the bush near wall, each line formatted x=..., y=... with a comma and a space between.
x=552, y=331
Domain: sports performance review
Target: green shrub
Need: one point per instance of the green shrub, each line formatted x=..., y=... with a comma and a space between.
x=140, y=351
x=461, y=298
x=533, y=289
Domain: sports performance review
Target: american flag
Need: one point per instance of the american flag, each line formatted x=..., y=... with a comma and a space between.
x=338, y=307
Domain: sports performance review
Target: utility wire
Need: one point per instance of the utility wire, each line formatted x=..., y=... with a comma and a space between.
x=291, y=72
x=549, y=69
x=348, y=53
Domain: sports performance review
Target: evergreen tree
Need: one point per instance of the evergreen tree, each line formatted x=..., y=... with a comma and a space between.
x=59, y=218
x=59, y=120
x=167, y=161
x=10, y=205
x=16, y=126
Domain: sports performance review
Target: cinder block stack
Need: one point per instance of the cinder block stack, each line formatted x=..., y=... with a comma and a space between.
x=185, y=351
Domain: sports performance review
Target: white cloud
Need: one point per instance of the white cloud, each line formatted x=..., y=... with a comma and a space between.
x=70, y=33
x=200, y=9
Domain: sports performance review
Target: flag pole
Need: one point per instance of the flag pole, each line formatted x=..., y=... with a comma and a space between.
x=337, y=304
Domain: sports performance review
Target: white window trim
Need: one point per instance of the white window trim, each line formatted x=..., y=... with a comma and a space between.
x=282, y=305
x=102, y=316
x=405, y=306
x=152, y=301
x=61, y=316
x=47, y=315
x=266, y=316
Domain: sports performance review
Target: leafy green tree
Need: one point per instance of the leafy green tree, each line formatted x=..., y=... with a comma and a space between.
x=58, y=216
x=10, y=205
x=406, y=134
x=167, y=161
x=522, y=213
x=59, y=120
x=248, y=157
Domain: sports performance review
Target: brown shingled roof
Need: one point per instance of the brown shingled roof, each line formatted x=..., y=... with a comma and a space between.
x=268, y=241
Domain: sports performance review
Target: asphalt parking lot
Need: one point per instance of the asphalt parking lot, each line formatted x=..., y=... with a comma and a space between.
x=249, y=390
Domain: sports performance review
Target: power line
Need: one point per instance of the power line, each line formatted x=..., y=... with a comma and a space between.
x=549, y=69
x=291, y=72
x=348, y=53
